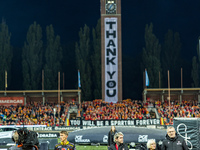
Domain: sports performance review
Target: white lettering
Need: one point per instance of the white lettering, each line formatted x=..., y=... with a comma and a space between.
x=78, y=138
x=137, y=122
x=11, y=101
x=111, y=61
x=99, y=123
x=144, y=122
x=154, y=121
x=107, y=123
x=158, y=121
x=148, y=122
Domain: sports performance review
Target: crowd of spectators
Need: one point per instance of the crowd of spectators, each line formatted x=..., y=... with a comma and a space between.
x=186, y=109
x=136, y=109
x=33, y=114
x=36, y=113
x=101, y=110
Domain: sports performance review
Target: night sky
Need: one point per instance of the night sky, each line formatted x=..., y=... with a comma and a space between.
x=68, y=16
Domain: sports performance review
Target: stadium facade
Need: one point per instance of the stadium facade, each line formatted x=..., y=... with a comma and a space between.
x=50, y=96
x=180, y=94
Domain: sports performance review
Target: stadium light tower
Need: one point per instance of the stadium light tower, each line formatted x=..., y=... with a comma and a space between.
x=111, y=50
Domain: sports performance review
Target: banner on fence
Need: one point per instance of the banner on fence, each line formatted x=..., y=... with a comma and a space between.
x=79, y=124
x=7, y=101
x=135, y=122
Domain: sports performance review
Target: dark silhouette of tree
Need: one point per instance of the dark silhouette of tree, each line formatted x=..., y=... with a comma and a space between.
x=151, y=56
x=96, y=61
x=69, y=66
x=195, y=73
x=83, y=59
x=171, y=59
x=6, y=55
x=32, y=58
x=53, y=58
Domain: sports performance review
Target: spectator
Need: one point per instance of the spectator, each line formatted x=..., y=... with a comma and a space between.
x=173, y=141
x=151, y=144
x=111, y=135
x=118, y=142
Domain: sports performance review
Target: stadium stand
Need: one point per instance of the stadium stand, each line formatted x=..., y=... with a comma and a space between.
x=37, y=113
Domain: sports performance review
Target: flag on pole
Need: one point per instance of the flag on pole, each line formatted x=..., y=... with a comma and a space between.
x=147, y=78
x=79, y=79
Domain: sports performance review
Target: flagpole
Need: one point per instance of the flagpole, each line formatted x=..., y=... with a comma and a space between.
x=58, y=87
x=181, y=77
x=159, y=79
x=42, y=79
x=6, y=84
x=63, y=80
x=169, y=90
x=43, y=98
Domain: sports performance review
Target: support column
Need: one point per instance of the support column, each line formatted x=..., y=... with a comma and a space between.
x=61, y=97
x=24, y=100
x=199, y=98
x=180, y=98
x=145, y=96
x=43, y=100
x=163, y=96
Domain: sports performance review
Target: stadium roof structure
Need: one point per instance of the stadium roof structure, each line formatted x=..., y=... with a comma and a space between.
x=175, y=94
x=44, y=95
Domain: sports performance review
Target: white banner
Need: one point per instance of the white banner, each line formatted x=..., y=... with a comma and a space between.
x=111, y=60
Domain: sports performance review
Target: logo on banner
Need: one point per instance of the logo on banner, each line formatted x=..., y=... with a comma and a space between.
x=143, y=138
x=79, y=138
x=105, y=138
x=111, y=60
x=47, y=135
x=186, y=138
x=6, y=101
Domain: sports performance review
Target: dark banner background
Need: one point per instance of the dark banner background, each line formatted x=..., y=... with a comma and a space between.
x=134, y=122
x=188, y=128
x=131, y=134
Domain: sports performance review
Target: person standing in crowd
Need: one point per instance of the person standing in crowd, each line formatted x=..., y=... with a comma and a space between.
x=64, y=143
x=111, y=135
x=151, y=144
x=173, y=141
x=118, y=142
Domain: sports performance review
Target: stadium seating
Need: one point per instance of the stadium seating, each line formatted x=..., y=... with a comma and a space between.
x=36, y=113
